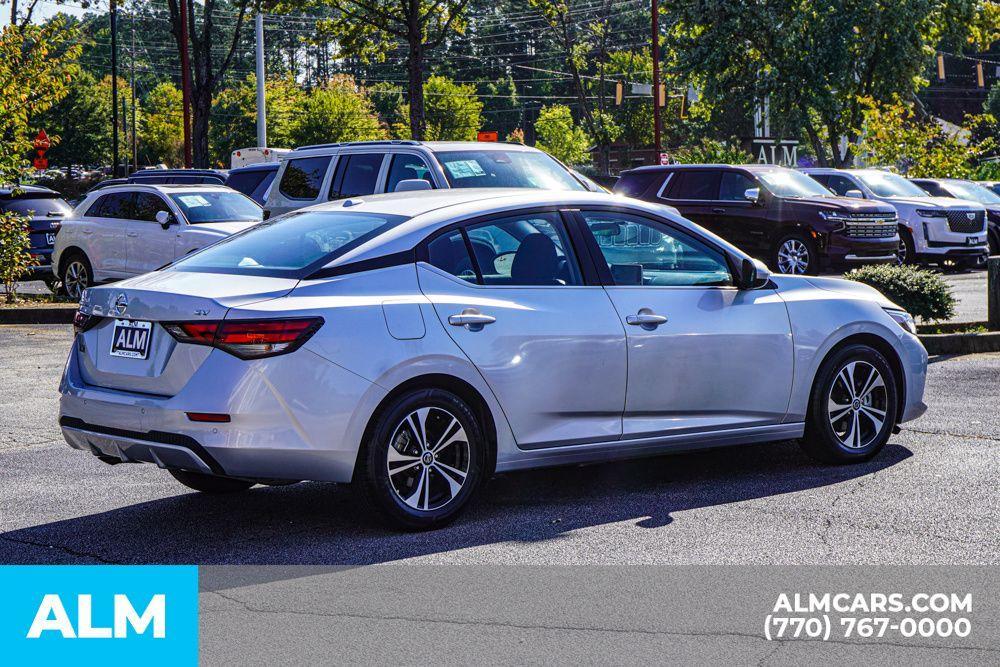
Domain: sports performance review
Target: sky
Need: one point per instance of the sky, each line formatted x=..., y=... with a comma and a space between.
x=45, y=9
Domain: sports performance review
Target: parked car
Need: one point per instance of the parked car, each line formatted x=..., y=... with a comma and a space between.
x=779, y=215
x=254, y=180
x=127, y=230
x=45, y=210
x=991, y=185
x=315, y=174
x=931, y=229
x=415, y=344
x=971, y=192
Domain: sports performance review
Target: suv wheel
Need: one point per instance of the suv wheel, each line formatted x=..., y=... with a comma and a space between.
x=76, y=275
x=852, y=408
x=795, y=254
x=424, y=460
x=210, y=483
x=906, y=253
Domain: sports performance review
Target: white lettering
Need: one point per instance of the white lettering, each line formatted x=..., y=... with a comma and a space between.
x=51, y=606
x=85, y=620
x=155, y=613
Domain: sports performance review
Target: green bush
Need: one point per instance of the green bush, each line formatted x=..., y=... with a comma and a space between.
x=14, y=256
x=922, y=293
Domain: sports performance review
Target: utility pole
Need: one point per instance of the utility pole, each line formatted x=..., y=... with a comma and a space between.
x=261, y=112
x=656, y=78
x=135, y=133
x=114, y=88
x=185, y=82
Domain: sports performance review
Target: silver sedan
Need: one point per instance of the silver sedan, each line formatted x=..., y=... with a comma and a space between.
x=415, y=344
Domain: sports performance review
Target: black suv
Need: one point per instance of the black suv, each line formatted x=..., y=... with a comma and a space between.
x=779, y=215
x=45, y=210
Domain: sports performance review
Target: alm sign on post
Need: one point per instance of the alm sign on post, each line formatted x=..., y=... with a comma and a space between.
x=781, y=152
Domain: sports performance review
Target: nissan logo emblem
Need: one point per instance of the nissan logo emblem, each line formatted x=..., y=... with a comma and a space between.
x=120, y=305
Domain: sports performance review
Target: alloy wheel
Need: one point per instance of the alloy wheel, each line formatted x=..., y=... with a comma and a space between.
x=76, y=279
x=901, y=252
x=857, y=404
x=428, y=458
x=793, y=257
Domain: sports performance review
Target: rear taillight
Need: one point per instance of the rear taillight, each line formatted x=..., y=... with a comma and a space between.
x=247, y=339
x=84, y=322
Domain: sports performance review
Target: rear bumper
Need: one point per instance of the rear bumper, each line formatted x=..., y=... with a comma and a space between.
x=280, y=428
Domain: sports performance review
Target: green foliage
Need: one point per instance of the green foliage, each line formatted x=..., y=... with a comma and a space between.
x=920, y=292
x=234, y=116
x=516, y=136
x=387, y=100
x=454, y=112
x=558, y=135
x=710, y=151
x=82, y=121
x=162, y=137
x=336, y=111
x=635, y=114
x=14, y=256
x=894, y=137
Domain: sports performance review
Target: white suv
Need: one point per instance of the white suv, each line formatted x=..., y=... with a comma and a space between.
x=931, y=229
x=315, y=174
x=126, y=230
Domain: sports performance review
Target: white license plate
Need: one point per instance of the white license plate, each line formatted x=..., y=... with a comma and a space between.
x=971, y=240
x=50, y=239
x=131, y=339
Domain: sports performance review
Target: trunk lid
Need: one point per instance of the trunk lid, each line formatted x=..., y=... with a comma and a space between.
x=161, y=296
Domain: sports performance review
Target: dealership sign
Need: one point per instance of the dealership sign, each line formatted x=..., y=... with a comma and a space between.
x=765, y=150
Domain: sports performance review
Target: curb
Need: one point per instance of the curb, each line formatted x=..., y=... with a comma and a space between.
x=51, y=315
x=961, y=343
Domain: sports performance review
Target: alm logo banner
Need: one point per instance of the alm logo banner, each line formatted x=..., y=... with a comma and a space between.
x=99, y=614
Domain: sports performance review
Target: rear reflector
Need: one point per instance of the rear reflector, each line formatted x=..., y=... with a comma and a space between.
x=247, y=339
x=213, y=417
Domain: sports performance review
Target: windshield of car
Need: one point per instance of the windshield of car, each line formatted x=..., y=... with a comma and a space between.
x=973, y=191
x=885, y=184
x=214, y=206
x=40, y=207
x=505, y=169
x=289, y=246
x=788, y=183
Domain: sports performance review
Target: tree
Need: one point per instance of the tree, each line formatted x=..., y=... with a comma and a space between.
x=453, y=110
x=162, y=138
x=82, y=121
x=710, y=151
x=388, y=102
x=336, y=111
x=234, y=115
x=208, y=69
x=36, y=65
x=814, y=59
x=894, y=136
x=371, y=29
x=560, y=137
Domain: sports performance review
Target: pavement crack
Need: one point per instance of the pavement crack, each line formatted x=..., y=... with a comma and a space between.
x=964, y=436
x=60, y=547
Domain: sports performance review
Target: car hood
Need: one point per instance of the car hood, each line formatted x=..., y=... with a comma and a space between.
x=848, y=204
x=935, y=202
x=221, y=228
x=849, y=288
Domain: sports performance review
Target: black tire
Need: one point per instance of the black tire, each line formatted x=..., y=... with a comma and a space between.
x=383, y=493
x=82, y=279
x=210, y=483
x=801, y=243
x=907, y=253
x=53, y=283
x=822, y=440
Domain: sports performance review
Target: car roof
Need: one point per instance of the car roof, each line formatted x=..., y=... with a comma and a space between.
x=165, y=188
x=26, y=191
x=433, y=146
x=674, y=167
x=176, y=172
x=428, y=210
x=257, y=166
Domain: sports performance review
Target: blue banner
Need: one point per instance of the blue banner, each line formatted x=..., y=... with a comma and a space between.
x=105, y=615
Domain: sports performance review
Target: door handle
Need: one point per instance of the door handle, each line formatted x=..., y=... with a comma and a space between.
x=646, y=319
x=132, y=235
x=471, y=319
x=718, y=210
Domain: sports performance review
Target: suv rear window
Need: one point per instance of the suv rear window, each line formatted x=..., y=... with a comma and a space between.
x=39, y=207
x=246, y=181
x=634, y=184
x=114, y=205
x=291, y=246
x=696, y=184
x=303, y=177
x=356, y=175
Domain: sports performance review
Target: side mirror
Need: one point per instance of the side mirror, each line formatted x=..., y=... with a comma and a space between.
x=164, y=218
x=752, y=195
x=855, y=194
x=754, y=274
x=412, y=185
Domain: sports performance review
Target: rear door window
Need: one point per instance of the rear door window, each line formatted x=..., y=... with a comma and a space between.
x=303, y=177
x=114, y=205
x=357, y=175
x=407, y=167
x=696, y=184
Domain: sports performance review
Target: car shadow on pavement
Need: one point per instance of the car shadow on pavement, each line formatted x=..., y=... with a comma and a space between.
x=318, y=523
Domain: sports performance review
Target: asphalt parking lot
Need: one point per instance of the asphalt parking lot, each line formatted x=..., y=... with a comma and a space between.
x=928, y=498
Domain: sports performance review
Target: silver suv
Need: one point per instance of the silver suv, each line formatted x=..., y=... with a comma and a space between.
x=314, y=174
x=931, y=229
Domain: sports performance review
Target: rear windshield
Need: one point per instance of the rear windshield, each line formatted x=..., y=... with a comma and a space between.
x=52, y=207
x=207, y=207
x=505, y=169
x=290, y=246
